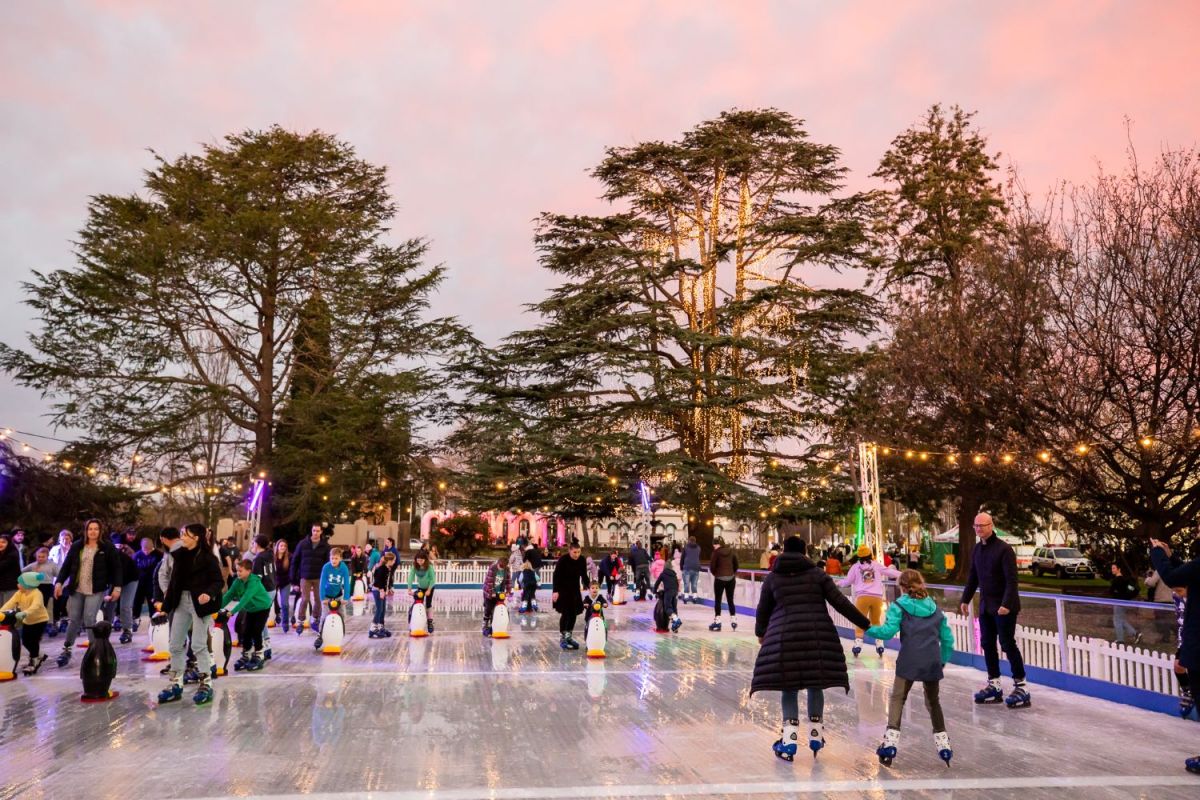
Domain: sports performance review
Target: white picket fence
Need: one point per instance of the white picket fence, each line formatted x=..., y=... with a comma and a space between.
x=1085, y=657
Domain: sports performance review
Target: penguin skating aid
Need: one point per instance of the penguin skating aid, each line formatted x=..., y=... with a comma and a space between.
x=8, y=664
x=500, y=618
x=220, y=644
x=160, y=638
x=99, y=666
x=332, y=630
x=597, y=635
x=418, y=617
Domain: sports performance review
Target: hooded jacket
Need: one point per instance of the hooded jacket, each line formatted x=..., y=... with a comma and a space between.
x=801, y=648
x=926, y=641
x=865, y=578
x=249, y=595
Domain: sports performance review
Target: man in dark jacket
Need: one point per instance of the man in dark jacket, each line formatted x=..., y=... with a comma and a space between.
x=801, y=648
x=307, y=562
x=994, y=574
x=570, y=582
x=193, y=595
x=639, y=560
x=1187, y=575
x=611, y=569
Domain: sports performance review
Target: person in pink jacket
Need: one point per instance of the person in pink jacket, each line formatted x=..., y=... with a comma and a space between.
x=865, y=580
x=657, y=567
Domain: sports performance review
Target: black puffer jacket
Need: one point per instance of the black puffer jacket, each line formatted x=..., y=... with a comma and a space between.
x=570, y=581
x=197, y=572
x=801, y=648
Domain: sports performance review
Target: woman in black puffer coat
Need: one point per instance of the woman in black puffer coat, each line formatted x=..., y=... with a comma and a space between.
x=801, y=648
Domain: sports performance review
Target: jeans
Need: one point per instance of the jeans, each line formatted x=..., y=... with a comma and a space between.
x=791, y=704
x=309, y=596
x=81, y=610
x=283, y=603
x=123, y=606
x=186, y=621
x=992, y=626
x=900, y=690
x=724, y=588
x=1121, y=627
x=690, y=579
x=380, y=607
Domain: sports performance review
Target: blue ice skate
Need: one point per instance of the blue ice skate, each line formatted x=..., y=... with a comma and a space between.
x=988, y=695
x=816, y=736
x=203, y=695
x=1019, y=698
x=1193, y=765
x=786, y=746
x=889, y=747
x=941, y=741
x=170, y=694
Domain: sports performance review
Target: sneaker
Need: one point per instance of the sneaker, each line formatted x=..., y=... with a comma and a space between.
x=386, y=633
x=989, y=694
x=286, y=627
x=1019, y=698
x=787, y=744
x=203, y=695
x=170, y=694
x=62, y=626
x=318, y=643
x=64, y=657
x=299, y=628
x=941, y=741
x=126, y=637
x=888, y=747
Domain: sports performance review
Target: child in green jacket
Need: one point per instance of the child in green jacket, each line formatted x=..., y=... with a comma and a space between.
x=926, y=644
x=247, y=596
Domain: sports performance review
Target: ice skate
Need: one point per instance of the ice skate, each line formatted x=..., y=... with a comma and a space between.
x=241, y=663
x=34, y=665
x=1193, y=765
x=170, y=694
x=879, y=649
x=126, y=637
x=1187, y=703
x=562, y=642
x=191, y=675
x=64, y=657
x=374, y=633
x=888, y=748
x=676, y=623
x=787, y=744
x=254, y=664
x=856, y=651
x=989, y=694
x=204, y=694
x=1019, y=698
x=429, y=623
x=732, y=623
x=716, y=625
x=816, y=736
x=318, y=643
x=487, y=631
x=941, y=741
x=266, y=656
x=571, y=643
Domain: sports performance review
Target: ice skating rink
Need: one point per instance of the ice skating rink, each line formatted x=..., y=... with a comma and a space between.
x=456, y=717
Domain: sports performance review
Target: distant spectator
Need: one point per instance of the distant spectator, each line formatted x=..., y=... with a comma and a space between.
x=1123, y=587
x=1159, y=591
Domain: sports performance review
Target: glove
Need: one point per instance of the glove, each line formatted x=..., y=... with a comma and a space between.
x=21, y=615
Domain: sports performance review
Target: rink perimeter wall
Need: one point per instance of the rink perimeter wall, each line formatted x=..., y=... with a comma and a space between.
x=1088, y=666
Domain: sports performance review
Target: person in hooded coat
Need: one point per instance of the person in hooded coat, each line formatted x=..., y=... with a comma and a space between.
x=1178, y=574
x=801, y=648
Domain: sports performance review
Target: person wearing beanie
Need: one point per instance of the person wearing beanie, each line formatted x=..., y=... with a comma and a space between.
x=31, y=615
x=800, y=647
x=865, y=580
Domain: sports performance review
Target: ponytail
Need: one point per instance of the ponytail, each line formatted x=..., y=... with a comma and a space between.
x=913, y=584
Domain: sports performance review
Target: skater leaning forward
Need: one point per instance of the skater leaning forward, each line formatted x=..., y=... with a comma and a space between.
x=495, y=583
x=422, y=577
x=865, y=580
x=251, y=601
x=382, y=578
x=570, y=582
x=994, y=574
x=801, y=648
x=926, y=644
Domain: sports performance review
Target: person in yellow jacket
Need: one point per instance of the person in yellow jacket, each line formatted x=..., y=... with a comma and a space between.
x=29, y=612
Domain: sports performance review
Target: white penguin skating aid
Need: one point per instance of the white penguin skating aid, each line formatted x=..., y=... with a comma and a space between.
x=418, y=618
x=8, y=664
x=597, y=636
x=360, y=590
x=620, y=594
x=160, y=638
x=500, y=618
x=332, y=630
x=216, y=638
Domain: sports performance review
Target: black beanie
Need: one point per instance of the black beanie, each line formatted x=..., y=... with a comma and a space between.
x=794, y=544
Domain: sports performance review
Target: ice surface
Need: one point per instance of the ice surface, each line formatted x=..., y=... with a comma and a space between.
x=457, y=716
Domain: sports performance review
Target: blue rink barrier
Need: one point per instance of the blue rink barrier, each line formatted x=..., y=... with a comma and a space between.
x=1089, y=687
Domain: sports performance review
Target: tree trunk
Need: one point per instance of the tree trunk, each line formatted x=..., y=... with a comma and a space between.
x=968, y=507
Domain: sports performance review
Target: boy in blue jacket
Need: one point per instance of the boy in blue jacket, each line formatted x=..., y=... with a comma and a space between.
x=926, y=644
x=335, y=585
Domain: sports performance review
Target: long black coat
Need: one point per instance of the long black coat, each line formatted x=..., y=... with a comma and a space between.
x=801, y=648
x=570, y=581
x=1187, y=574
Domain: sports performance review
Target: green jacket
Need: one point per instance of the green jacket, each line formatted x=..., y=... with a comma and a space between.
x=250, y=596
x=424, y=579
x=925, y=607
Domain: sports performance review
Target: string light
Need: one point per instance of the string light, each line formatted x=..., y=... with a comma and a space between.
x=1044, y=455
x=1147, y=442
x=1082, y=449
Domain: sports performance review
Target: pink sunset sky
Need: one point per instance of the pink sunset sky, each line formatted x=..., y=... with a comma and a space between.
x=487, y=113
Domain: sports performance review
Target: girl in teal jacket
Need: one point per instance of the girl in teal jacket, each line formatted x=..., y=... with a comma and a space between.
x=926, y=644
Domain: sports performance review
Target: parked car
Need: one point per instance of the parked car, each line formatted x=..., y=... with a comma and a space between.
x=1065, y=562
